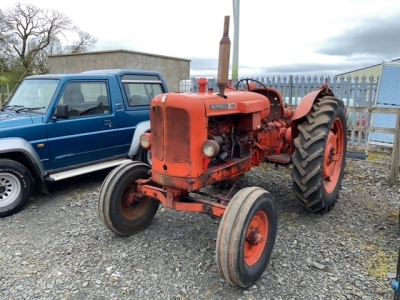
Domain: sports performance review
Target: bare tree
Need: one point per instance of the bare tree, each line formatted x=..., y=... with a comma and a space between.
x=37, y=25
x=41, y=59
x=34, y=34
x=84, y=43
x=5, y=40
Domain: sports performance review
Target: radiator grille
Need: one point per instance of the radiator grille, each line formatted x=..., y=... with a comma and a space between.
x=157, y=123
x=177, y=135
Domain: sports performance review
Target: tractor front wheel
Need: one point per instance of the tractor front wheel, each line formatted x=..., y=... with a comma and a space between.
x=246, y=236
x=319, y=156
x=121, y=208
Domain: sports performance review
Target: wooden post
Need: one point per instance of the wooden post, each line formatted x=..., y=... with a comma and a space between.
x=394, y=168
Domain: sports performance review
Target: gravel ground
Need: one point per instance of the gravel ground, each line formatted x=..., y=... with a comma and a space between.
x=57, y=248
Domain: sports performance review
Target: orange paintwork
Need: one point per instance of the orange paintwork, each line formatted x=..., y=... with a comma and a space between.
x=334, y=155
x=303, y=108
x=172, y=199
x=256, y=238
x=235, y=102
x=288, y=112
x=181, y=124
x=202, y=82
x=194, y=134
x=228, y=170
x=276, y=102
x=199, y=107
x=306, y=103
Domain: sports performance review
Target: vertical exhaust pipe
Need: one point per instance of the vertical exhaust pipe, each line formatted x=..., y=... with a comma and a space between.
x=223, y=60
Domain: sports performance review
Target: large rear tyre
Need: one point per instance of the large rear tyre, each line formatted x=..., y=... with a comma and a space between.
x=319, y=156
x=120, y=207
x=246, y=236
x=15, y=187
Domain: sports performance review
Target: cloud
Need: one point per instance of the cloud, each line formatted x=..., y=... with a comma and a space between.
x=376, y=37
x=327, y=68
x=208, y=67
x=202, y=64
x=368, y=42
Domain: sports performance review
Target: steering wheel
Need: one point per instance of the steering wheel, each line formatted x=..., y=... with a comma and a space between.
x=248, y=85
x=86, y=112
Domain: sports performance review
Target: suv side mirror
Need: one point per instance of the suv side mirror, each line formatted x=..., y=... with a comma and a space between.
x=61, y=112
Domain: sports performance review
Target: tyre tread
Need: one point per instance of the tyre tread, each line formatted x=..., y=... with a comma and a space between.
x=308, y=157
x=5, y=211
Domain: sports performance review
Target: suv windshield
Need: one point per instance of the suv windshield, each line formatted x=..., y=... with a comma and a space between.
x=34, y=95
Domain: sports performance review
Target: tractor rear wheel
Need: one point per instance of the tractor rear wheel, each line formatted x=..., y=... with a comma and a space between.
x=319, y=156
x=246, y=236
x=121, y=208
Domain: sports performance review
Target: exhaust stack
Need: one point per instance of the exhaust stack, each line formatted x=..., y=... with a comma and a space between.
x=223, y=60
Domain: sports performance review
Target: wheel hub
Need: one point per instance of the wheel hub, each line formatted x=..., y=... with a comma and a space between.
x=330, y=155
x=333, y=156
x=130, y=198
x=256, y=238
x=133, y=204
x=10, y=188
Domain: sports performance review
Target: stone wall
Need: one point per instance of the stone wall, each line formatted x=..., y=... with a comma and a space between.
x=173, y=69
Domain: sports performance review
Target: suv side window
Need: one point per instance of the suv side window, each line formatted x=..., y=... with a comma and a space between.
x=86, y=98
x=141, y=93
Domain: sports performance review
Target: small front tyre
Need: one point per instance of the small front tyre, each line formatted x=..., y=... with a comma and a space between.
x=121, y=208
x=15, y=187
x=246, y=236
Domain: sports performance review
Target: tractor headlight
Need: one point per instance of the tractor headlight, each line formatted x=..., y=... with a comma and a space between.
x=145, y=140
x=211, y=148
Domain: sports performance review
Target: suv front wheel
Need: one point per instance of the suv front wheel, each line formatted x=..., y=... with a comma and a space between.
x=144, y=155
x=15, y=186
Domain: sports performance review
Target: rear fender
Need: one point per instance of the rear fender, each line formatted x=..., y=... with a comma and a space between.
x=135, y=145
x=307, y=102
x=303, y=109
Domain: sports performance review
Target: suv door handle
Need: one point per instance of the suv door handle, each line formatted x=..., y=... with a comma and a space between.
x=107, y=122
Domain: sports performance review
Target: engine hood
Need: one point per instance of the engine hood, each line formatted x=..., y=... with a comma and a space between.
x=10, y=119
x=235, y=102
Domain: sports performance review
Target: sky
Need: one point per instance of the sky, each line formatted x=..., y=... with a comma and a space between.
x=276, y=38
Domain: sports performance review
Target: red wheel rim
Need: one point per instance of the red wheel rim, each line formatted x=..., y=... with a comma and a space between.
x=256, y=238
x=333, y=157
x=133, y=206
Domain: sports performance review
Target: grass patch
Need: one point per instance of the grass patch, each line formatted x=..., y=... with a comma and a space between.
x=264, y=167
x=380, y=262
x=376, y=156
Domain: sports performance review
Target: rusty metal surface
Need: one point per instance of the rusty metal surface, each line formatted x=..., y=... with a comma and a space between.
x=228, y=170
x=175, y=200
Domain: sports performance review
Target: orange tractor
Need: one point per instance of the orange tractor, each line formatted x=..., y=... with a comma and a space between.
x=202, y=139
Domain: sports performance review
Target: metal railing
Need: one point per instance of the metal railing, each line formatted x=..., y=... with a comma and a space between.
x=354, y=91
x=357, y=93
